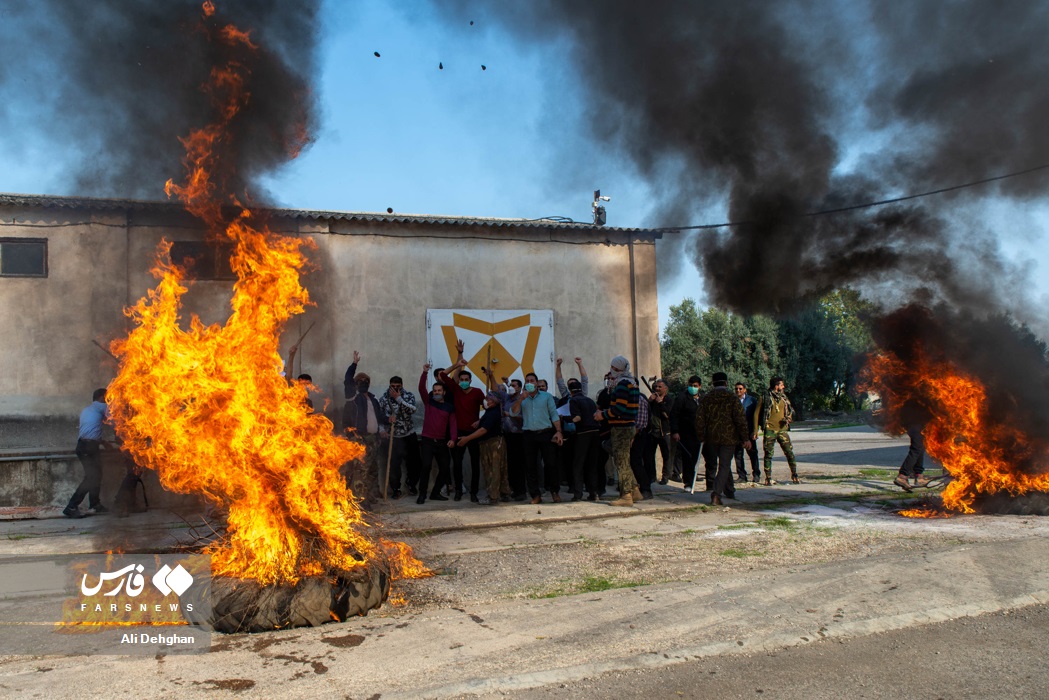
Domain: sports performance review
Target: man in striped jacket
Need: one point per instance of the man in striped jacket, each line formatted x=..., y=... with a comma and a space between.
x=622, y=416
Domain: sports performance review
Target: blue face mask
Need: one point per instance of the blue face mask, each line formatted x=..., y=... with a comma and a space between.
x=693, y=390
x=464, y=385
x=529, y=387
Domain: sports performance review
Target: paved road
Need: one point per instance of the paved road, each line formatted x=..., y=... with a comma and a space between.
x=828, y=626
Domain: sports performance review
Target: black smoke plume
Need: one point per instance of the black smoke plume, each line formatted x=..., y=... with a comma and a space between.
x=116, y=83
x=785, y=109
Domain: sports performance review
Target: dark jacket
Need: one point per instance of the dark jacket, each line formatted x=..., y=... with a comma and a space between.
x=683, y=416
x=659, y=416
x=720, y=419
x=355, y=413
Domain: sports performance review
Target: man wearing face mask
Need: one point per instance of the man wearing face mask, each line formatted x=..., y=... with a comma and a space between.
x=438, y=438
x=622, y=416
x=364, y=421
x=683, y=429
x=542, y=431
x=468, y=401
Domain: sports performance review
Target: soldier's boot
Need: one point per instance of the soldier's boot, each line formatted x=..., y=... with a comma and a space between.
x=794, y=477
x=636, y=495
x=625, y=500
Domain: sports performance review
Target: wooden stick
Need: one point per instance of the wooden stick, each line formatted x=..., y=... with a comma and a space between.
x=306, y=333
x=103, y=349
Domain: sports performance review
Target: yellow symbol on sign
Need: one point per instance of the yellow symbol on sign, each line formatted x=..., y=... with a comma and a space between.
x=505, y=364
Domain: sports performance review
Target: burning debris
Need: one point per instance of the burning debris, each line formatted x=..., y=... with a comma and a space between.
x=208, y=410
x=982, y=386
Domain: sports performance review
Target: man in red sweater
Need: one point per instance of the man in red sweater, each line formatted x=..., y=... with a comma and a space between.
x=468, y=401
x=439, y=435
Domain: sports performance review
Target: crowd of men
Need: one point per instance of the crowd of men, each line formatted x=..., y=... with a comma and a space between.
x=527, y=441
x=523, y=439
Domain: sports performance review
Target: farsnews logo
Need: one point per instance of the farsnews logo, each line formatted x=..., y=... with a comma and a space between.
x=168, y=580
x=131, y=581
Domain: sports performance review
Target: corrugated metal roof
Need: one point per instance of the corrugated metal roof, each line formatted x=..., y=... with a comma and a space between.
x=59, y=202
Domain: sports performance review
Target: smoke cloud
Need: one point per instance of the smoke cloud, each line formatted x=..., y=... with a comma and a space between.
x=785, y=109
x=117, y=83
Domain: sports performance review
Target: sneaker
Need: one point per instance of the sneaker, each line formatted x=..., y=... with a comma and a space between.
x=591, y=497
x=72, y=513
x=99, y=509
x=664, y=481
x=742, y=479
x=688, y=489
x=757, y=479
x=483, y=501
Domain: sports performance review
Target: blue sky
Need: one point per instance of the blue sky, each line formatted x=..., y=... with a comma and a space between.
x=507, y=141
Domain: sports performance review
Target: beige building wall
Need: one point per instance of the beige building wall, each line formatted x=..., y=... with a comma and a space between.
x=371, y=283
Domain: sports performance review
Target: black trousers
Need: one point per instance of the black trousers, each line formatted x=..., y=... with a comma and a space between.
x=710, y=464
x=741, y=469
x=515, y=462
x=538, y=443
x=722, y=455
x=688, y=450
x=475, y=465
x=585, y=472
x=431, y=449
x=89, y=453
x=914, y=462
x=643, y=460
x=406, y=450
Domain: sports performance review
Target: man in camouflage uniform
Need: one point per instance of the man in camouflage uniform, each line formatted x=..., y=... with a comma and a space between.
x=772, y=420
x=722, y=425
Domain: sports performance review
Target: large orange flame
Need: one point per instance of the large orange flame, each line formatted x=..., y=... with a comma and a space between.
x=980, y=451
x=207, y=408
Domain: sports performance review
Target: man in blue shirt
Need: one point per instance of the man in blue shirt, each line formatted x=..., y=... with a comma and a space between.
x=750, y=404
x=88, y=447
x=542, y=430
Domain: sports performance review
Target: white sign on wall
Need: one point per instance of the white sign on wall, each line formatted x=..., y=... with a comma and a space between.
x=516, y=342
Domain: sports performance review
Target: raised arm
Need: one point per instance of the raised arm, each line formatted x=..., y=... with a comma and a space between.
x=583, y=379
x=348, y=386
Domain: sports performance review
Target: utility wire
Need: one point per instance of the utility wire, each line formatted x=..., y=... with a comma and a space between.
x=866, y=205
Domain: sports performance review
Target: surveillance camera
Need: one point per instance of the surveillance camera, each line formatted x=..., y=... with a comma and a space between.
x=605, y=199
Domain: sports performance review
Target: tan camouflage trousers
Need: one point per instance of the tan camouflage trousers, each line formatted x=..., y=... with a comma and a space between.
x=622, y=438
x=770, y=438
x=493, y=466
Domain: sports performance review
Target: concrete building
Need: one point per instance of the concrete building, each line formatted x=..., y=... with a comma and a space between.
x=69, y=266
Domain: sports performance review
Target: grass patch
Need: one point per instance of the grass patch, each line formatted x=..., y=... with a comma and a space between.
x=842, y=424
x=18, y=538
x=588, y=584
x=780, y=522
x=876, y=472
x=737, y=553
x=738, y=526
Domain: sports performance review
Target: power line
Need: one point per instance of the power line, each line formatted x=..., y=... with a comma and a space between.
x=866, y=205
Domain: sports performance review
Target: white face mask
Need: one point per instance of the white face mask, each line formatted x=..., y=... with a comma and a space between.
x=511, y=390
